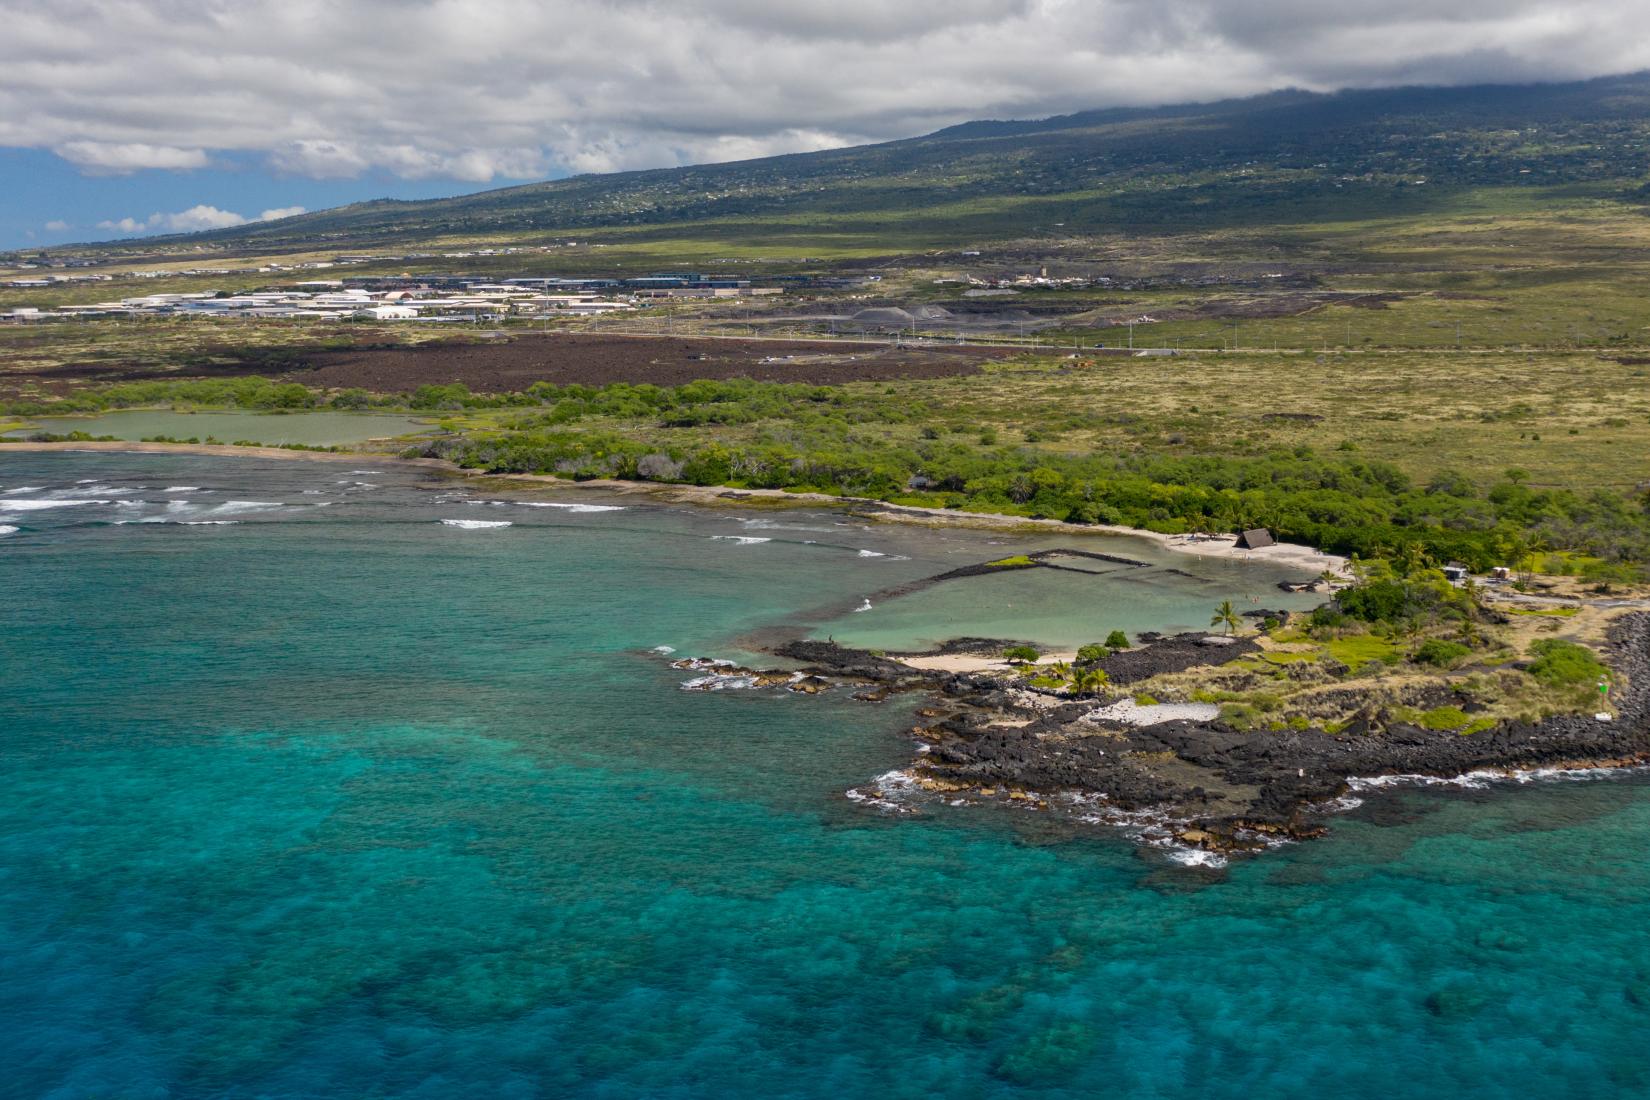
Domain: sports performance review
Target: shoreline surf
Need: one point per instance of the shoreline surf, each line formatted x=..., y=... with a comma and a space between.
x=1218, y=546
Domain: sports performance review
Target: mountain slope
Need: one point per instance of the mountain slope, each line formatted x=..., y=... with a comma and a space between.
x=1232, y=162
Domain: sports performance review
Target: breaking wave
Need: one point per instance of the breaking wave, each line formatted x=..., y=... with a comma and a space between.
x=1483, y=777
x=887, y=792
x=571, y=507
x=580, y=508
x=39, y=505
x=236, y=507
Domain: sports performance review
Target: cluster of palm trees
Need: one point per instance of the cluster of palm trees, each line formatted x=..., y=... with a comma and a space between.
x=1080, y=681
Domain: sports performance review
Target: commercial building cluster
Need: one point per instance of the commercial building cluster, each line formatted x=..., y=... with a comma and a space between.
x=443, y=298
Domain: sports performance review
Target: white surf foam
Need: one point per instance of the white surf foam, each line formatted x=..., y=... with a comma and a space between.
x=887, y=792
x=738, y=540
x=24, y=489
x=1343, y=804
x=571, y=507
x=476, y=524
x=40, y=505
x=866, y=606
x=703, y=662
x=1483, y=777
x=775, y=525
x=1195, y=857
x=181, y=489
x=719, y=682
x=8, y=529
x=871, y=554
x=579, y=508
x=236, y=507
x=667, y=650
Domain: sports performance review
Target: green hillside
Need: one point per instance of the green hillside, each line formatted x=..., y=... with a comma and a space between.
x=1285, y=157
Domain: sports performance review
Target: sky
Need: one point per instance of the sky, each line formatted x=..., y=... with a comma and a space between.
x=122, y=118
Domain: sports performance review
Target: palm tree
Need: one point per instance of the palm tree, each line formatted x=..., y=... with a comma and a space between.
x=1415, y=558
x=1089, y=681
x=1227, y=617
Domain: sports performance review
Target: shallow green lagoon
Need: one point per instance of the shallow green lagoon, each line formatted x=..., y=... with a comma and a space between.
x=1066, y=609
x=305, y=792
x=314, y=429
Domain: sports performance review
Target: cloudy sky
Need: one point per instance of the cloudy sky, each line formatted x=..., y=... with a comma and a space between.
x=127, y=117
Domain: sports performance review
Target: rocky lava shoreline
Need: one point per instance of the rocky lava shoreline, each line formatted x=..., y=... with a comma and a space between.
x=1204, y=784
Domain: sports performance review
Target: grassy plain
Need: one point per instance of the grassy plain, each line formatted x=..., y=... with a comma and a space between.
x=1570, y=420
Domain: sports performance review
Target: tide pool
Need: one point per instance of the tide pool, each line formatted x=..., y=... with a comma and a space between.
x=307, y=793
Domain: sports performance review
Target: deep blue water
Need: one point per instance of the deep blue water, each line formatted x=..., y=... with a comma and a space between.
x=345, y=802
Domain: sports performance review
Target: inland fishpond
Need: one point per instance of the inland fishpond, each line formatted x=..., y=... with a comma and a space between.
x=344, y=779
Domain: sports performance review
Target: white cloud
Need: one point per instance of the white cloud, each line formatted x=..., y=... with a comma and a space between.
x=195, y=219
x=58, y=225
x=478, y=90
x=105, y=158
x=318, y=159
x=128, y=225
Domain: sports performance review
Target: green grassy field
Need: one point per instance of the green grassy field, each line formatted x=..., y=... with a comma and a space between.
x=1573, y=420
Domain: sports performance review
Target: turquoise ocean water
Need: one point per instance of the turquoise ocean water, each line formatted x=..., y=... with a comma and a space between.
x=306, y=793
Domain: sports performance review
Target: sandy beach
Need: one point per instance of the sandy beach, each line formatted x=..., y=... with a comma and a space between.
x=967, y=662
